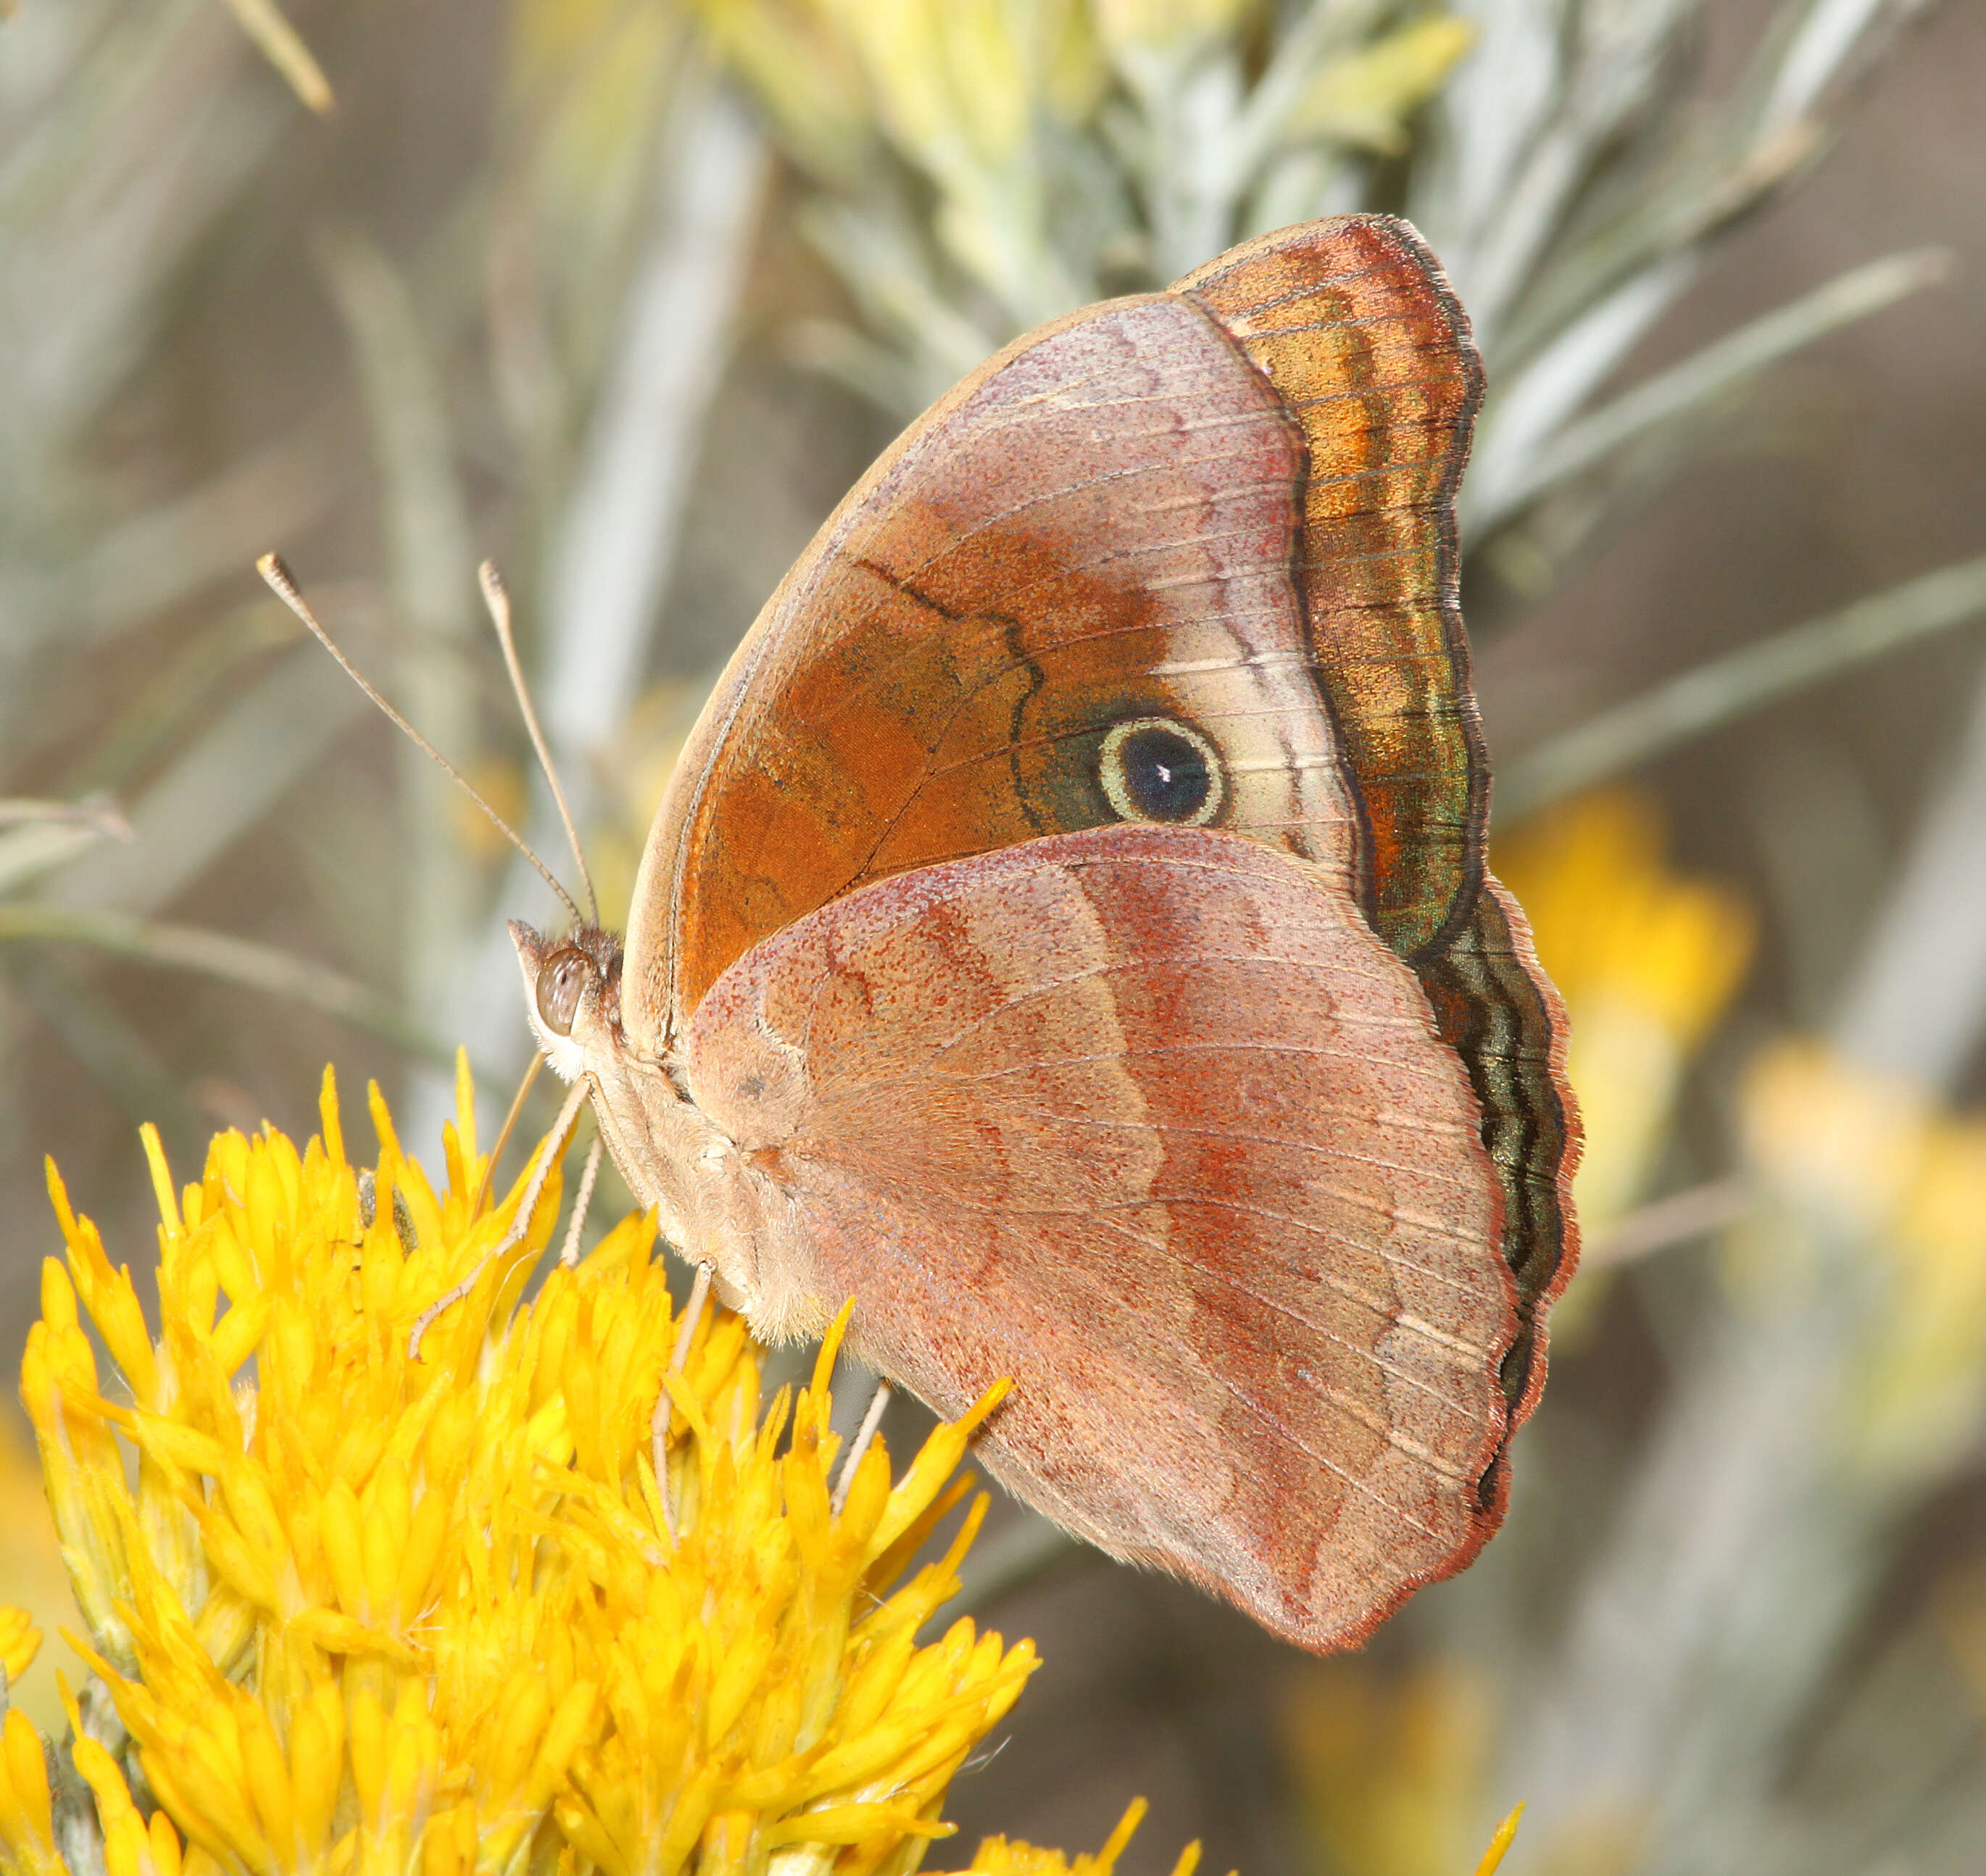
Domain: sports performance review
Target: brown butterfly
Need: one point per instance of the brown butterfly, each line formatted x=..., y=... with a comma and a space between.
x=1068, y=935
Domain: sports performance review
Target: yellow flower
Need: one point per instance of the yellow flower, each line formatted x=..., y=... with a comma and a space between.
x=1366, y=98
x=951, y=79
x=1171, y=25
x=27, y=1820
x=1843, y=1152
x=364, y=1611
x=957, y=88
x=1647, y=961
x=808, y=80
x=954, y=84
x=1842, y=1141
x=998, y=1857
x=31, y=1576
x=1391, y=1774
x=19, y=1641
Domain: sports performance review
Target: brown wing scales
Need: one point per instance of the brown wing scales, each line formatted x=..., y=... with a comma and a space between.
x=1095, y=529
x=1104, y=1113
x=1371, y=353
x=1227, y=509
x=1499, y=1011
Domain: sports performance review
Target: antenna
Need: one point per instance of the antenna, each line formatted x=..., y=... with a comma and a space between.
x=498, y=600
x=503, y=1134
x=282, y=583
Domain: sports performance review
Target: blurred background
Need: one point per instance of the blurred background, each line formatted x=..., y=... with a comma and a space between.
x=626, y=292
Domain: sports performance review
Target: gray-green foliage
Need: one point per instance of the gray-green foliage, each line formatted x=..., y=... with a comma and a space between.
x=538, y=370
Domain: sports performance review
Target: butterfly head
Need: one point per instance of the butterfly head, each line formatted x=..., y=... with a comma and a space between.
x=572, y=992
x=675, y=1159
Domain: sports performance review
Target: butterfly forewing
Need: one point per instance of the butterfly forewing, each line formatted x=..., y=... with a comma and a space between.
x=1371, y=354
x=1095, y=532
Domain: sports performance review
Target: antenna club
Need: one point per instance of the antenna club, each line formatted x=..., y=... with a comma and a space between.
x=275, y=572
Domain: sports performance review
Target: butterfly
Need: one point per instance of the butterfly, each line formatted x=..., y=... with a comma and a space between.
x=1067, y=935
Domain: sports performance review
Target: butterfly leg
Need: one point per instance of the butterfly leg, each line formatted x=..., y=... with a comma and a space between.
x=569, y=1251
x=658, y=1427
x=503, y=1136
x=555, y=1146
x=870, y=1421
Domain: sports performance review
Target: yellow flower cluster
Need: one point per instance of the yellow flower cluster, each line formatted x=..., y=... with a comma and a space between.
x=19, y=1640
x=957, y=80
x=954, y=84
x=359, y=1610
x=1648, y=962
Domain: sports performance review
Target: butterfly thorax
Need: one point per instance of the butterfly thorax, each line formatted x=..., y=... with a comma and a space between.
x=710, y=1199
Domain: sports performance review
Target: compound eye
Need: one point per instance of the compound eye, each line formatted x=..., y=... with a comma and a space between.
x=561, y=977
x=1156, y=769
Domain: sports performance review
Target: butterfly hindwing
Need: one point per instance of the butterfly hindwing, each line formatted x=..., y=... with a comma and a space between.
x=1140, y=1119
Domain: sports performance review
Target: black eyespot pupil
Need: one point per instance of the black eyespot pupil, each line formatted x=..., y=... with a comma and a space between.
x=1166, y=776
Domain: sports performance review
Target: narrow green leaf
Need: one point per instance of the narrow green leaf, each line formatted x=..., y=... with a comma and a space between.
x=1716, y=369
x=283, y=46
x=262, y=968
x=1672, y=714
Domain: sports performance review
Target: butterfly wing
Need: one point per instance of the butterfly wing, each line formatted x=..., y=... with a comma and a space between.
x=1354, y=323
x=1498, y=1010
x=1227, y=509
x=1373, y=360
x=1094, y=531
x=1371, y=353
x=1145, y=1119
